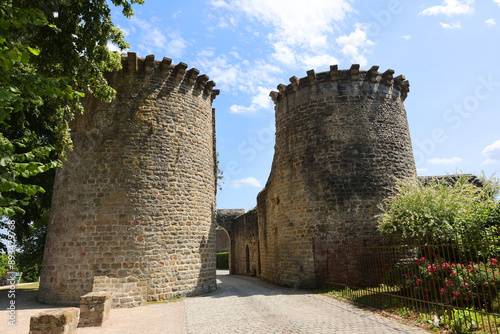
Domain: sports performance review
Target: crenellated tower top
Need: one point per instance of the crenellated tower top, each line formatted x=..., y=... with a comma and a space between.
x=165, y=67
x=351, y=82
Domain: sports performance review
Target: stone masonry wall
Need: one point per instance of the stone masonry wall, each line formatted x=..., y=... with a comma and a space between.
x=221, y=241
x=342, y=141
x=135, y=201
x=245, y=245
x=225, y=219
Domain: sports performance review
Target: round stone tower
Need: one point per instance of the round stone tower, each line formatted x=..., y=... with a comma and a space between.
x=342, y=141
x=133, y=206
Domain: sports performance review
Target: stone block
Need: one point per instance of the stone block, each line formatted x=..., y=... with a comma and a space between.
x=94, y=308
x=57, y=321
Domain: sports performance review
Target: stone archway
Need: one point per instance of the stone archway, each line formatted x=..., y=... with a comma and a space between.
x=225, y=219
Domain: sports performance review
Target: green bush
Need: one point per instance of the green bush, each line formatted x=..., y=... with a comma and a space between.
x=439, y=206
x=463, y=285
x=4, y=264
x=223, y=260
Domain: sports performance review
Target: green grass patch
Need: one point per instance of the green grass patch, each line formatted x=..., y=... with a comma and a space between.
x=447, y=319
x=31, y=286
x=223, y=260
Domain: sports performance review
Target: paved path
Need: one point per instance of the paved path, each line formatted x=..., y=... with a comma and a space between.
x=248, y=305
x=240, y=305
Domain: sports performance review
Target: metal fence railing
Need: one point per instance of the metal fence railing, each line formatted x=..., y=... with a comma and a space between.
x=451, y=279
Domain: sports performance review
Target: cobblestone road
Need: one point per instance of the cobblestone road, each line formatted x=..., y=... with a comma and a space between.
x=241, y=304
x=247, y=305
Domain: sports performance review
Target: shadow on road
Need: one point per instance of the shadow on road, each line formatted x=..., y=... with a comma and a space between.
x=245, y=286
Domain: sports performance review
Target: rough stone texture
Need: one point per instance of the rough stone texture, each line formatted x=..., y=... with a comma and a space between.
x=244, y=255
x=221, y=240
x=225, y=219
x=342, y=141
x=127, y=291
x=135, y=201
x=94, y=308
x=57, y=321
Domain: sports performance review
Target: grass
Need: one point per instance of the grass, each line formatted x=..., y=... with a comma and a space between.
x=30, y=286
x=433, y=317
x=173, y=300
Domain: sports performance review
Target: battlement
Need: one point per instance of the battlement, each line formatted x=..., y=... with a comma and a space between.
x=137, y=190
x=148, y=65
x=351, y=82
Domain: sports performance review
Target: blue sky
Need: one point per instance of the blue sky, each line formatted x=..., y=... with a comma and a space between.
x=448, y=50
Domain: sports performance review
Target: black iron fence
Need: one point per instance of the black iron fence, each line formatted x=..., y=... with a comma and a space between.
x=451, y=279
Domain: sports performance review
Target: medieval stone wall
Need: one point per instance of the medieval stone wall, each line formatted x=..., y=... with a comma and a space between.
x=134, y=204
x=245, y=255
x=225, y=219
x=342, y=141
x=221, y=241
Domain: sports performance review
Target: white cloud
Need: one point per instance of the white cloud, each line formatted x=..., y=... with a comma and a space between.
x=242, y=75
x=284, y=54
x=444, y=161
x=235, y=54
x=173, y=45
x=301, y=34
x=226, y=22
x=421, y=171
x=259, y=101
x=451, y=26
x=295, y=22
x=218, y=3
x=497, y=2
x=219, y=69
x=491, y=22
x=318, y=61
x=356, y=45
x=407, y=37
x=248, y=181
x=113, y=47
x=450, y=8
x=492, y=153
x=176, y=45
x=125, y=32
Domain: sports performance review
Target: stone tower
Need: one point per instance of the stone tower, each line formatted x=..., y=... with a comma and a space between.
x=342, y=141
x=133, y=205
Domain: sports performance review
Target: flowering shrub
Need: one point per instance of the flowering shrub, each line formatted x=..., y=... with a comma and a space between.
x=465, y=285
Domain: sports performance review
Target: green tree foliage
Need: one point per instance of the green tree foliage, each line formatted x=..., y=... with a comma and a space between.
x=29, y=258
x=440, y=206
x=52, y=53
x=4, y=264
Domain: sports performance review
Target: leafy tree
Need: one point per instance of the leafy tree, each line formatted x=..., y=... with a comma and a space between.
x=29, y=258
x=52, y=53
x=4, y=264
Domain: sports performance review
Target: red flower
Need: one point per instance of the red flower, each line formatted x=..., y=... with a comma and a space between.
x=494, y=262
x=418, y=281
